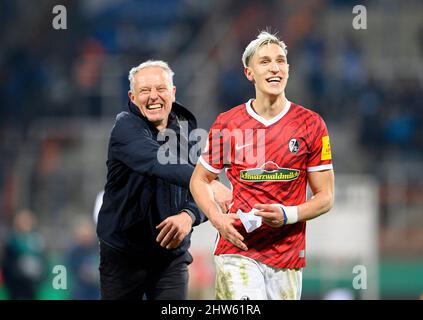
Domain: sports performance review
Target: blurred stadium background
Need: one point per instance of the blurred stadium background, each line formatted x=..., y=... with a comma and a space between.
x=61, y=89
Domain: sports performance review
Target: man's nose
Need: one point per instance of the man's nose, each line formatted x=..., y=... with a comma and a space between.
x=274, y=67
x=153, y=94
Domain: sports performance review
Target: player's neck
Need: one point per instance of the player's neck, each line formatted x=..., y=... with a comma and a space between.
x=269, y=107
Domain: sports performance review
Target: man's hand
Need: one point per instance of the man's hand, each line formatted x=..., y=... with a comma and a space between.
x=222, y=195
x=228, y=231
x=271, y=214
x=173, y=230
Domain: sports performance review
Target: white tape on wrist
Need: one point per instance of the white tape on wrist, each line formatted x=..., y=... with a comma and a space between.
x=290, y=214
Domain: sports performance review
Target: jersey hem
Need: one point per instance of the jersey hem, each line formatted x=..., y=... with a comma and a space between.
x=208, y=166
x=320, y=168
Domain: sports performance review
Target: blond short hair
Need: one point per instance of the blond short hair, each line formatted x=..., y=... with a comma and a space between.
x=263, y=38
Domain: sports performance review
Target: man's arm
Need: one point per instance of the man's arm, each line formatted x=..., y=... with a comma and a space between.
x=222, y=196
x=321, y=184
x=201, y=190
x=139, y=151
x=192, y=209
x=175, y=228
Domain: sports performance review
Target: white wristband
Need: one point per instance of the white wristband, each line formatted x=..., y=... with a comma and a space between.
x=290, y=214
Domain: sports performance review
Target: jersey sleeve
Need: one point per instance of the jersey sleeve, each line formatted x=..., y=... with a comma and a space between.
x=320, y=157
x=213, y=155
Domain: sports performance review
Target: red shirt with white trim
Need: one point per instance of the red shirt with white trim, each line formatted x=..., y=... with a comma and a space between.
x=267, y=161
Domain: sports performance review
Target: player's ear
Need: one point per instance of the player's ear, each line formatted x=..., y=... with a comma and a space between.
x=249, y=74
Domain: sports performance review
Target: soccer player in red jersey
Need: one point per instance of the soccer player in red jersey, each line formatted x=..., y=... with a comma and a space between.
x=270, y=148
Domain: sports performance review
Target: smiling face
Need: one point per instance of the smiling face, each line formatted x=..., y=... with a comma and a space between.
x=153, y=94
x=268, y=69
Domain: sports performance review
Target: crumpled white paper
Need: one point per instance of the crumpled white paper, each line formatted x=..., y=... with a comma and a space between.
x=250, y=221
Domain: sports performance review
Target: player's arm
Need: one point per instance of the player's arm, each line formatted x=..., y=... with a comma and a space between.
x=322, y=186
x=175, y=228
x=201, y=190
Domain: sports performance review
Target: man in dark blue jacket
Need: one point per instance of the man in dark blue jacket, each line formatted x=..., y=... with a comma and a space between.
x=147, y=215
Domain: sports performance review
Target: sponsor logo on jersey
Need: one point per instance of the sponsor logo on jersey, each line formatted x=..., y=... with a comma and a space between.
x=293, y=145
x=326, y=153
x=269, y=171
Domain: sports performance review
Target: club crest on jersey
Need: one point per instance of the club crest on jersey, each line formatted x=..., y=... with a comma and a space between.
x=269, y=171
x=293, y=145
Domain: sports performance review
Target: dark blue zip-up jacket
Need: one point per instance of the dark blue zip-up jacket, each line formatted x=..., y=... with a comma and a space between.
x=141, y=192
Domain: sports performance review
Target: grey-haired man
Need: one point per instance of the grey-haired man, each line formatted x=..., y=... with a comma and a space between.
x=147, y=215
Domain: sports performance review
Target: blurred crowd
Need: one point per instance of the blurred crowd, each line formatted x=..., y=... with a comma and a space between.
x=61, y=74
x=27, y=270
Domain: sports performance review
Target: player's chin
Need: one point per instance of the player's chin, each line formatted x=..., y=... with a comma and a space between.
x=275, y=90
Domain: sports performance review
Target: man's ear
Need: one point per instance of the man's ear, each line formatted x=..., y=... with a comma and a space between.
x=249, y=74
x=174, y=94
x=131, y=95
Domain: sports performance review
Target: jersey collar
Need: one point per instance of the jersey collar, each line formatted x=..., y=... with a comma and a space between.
x=264, y=121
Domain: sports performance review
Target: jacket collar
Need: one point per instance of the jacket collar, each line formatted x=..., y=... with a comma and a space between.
x=177, y=111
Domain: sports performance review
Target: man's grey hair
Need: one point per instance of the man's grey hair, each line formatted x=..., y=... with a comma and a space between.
x=147, y=64
x=263, y=38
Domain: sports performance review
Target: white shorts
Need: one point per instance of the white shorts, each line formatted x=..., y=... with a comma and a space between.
x=242, y=278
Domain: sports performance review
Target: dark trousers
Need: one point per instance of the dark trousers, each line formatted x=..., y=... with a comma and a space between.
x=124, y=276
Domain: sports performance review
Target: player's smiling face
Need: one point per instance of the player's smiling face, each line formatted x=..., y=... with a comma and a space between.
x=153, y=94
x=268, y=69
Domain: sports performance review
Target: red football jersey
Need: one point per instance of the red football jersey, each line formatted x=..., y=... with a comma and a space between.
x=266, y=161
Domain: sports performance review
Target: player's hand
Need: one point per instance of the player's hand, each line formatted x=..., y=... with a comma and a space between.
x=222, y=195
x=173, y=230
x=228, y=231
x=271, y=214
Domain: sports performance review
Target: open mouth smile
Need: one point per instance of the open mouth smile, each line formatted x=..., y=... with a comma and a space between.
x=274, y=80
x=154, y=106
